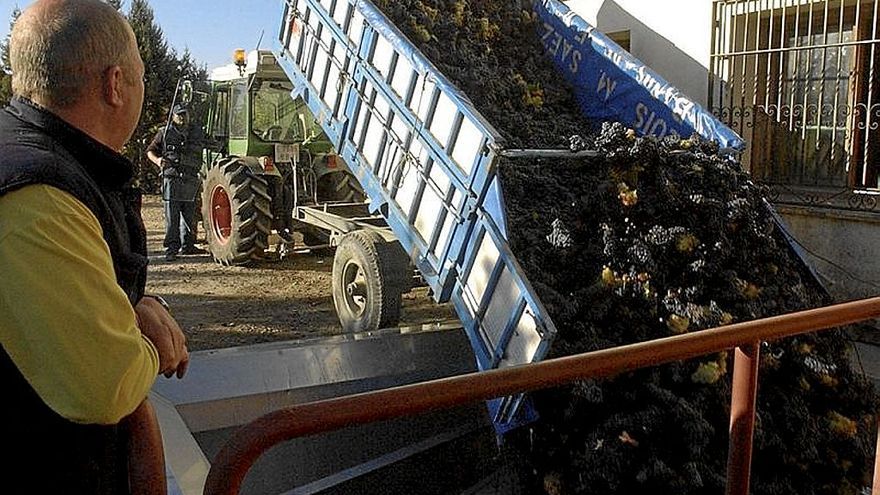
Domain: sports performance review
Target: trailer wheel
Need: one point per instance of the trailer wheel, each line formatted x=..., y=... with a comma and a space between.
x=236, y=213
x=369, y=276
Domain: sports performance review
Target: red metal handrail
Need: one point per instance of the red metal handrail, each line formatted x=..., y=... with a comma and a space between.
x=248, y=443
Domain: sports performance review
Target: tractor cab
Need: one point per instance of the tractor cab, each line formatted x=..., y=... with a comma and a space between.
x=254, y=114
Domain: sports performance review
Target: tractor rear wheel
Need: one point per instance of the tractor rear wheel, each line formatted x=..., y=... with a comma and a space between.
x=369, y=276
x=236, y=213
x=339, y=186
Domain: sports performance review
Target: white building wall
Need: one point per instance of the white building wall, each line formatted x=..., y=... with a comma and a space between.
x=841, y=246
x=673, y=37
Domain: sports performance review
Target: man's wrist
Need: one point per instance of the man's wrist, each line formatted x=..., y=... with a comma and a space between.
x=161, y=300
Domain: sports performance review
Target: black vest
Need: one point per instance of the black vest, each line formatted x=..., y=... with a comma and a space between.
x=181, y=151
x=36, y=147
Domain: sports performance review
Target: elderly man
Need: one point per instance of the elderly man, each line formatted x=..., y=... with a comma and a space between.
x=81, y=344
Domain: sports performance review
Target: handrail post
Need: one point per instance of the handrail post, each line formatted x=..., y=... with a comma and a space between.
x=742, y=418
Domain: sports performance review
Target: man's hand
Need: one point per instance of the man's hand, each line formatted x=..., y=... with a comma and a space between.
x=156, y=160
x=157, y=324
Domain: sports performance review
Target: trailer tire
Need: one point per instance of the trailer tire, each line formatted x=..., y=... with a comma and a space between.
x=369, y=276
x=236, y=213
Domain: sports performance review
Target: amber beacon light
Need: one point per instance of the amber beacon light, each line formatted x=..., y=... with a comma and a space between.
x=238, y=56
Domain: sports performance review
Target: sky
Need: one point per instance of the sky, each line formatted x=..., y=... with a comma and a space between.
x=211, y=29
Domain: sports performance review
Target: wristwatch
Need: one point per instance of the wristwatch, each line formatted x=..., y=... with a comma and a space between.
x=161, y=300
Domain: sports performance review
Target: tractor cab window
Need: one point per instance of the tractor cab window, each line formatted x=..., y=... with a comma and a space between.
x=276, y=115
x=238, y=111
x=220, y=124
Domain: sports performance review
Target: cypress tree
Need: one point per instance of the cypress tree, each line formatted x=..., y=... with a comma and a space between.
x=159, y=82
x=164, y=68
x=5, y=68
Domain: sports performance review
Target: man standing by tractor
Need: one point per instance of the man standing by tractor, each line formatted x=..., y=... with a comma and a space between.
x=176, y=154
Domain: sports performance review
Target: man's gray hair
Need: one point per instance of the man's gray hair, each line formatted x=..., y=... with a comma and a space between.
x=57, y=49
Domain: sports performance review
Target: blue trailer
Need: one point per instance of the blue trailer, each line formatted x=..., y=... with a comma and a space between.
x=427, y=159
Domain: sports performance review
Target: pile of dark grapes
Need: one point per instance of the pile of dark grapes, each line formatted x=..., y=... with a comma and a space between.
x=669, y=237
x=655, y=238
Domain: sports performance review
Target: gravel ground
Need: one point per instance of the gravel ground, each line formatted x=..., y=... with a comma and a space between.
x=270, y=301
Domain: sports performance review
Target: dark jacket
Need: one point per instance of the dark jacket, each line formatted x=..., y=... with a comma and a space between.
x=174, y=144
x=37, y=147
x=182, y=163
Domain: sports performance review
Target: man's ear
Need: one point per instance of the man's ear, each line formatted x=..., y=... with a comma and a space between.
x=112, y=85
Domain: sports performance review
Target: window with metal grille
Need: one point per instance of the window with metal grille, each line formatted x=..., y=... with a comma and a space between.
x=798, y=78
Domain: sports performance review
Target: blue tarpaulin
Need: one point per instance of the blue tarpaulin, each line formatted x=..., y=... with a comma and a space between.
x=611, y=84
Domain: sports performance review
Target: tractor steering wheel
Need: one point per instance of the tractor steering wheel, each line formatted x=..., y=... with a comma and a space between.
x=272, y=131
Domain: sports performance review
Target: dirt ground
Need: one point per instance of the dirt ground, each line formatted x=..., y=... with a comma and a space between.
x=270, y=301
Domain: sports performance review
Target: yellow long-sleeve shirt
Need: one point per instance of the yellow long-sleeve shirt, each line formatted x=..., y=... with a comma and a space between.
x=64, y=321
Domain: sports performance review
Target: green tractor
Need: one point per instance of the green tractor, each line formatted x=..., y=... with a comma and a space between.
x=263, y=155
x=269, y=171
